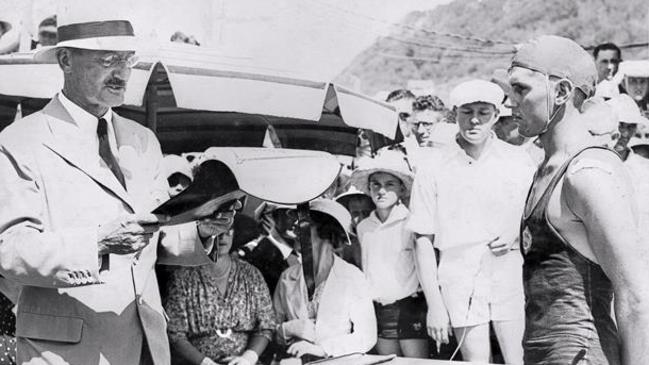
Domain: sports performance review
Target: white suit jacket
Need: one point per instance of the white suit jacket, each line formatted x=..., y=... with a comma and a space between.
x=53, y=196
x=345, y=321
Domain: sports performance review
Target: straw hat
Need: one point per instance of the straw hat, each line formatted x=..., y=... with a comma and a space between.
x=389, y=161
x=88, y=24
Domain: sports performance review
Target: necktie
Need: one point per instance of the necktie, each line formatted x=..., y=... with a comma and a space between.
x=105, y=152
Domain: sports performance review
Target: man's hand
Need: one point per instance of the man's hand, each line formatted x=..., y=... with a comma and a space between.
x=499, y=246
x=127, y=234
x=302, y=348
x=439, y=325
x=303, y=329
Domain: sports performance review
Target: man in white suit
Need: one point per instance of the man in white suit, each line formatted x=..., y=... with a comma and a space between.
x=76, y=184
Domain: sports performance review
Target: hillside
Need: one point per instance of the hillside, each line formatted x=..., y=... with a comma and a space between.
x=417, y=50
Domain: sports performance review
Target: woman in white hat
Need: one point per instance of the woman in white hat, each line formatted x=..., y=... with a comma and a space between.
x=339, y=318
x=468, y=203
x=388, y=259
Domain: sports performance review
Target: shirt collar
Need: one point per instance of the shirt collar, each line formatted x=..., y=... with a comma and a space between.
x=489, y=148
x=87, y=123
x=398, y=212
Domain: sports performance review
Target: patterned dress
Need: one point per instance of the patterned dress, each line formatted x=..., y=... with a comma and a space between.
x=219, y=325
x=7, y=332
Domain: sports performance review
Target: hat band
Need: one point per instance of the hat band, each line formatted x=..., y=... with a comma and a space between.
x=110, y=28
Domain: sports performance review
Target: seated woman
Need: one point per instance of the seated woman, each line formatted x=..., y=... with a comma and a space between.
x=220, y=312
x=339, y=319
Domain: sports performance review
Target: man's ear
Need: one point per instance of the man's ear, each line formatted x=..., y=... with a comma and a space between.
x=563, y=89
x=63, y=56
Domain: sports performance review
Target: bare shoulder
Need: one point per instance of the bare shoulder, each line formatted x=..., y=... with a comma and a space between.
x=596, y=178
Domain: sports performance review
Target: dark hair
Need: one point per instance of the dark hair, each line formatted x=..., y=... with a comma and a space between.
x=399, y=94
x=607, y=47
x=49, y=21
x=327, y=227
x=428, y=102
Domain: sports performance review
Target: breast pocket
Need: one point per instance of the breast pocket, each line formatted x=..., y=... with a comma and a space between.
x=49, y=328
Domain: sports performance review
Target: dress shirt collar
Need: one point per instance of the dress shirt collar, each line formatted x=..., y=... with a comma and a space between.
x=87, y=123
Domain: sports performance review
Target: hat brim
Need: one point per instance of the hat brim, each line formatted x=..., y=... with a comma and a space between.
x=360, y=179
x=117, y=43
x=6, y=25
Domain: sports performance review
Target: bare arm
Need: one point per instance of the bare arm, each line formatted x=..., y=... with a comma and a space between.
x=426, y=264
x=608, y=212
x=185, y=351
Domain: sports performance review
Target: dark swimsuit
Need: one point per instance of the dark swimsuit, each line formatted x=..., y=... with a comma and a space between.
x=567, y=296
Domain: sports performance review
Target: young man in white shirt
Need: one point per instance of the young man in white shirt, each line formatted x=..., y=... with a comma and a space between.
x=467, y=203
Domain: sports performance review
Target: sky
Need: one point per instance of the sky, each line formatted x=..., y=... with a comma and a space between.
x=315, y=39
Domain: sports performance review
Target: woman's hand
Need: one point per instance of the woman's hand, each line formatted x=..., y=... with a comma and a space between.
x=439, y=325
x=215, y=226
x=208, y=361
x=249, y=357
x=302, y=348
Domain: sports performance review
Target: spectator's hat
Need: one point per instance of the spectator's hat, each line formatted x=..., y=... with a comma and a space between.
x=90, y=25
x=389, y=161
x=6, y=25
x=475, y=91
x=336, y=211
x=350, y=194
x=175, y=164
x=627, y=111
x=635, y=68
x=559, y=57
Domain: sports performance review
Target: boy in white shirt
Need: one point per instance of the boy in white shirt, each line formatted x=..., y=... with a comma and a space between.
x=387, y=251
x=468, y=203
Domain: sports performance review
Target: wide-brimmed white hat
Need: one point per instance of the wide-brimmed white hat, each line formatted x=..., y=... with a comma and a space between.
x=475, y=91
x=87, y=24
x=336, y=211
x=627, y=110
x=389, y=161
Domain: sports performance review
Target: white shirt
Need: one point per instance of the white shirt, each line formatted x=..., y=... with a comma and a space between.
x=345, y=321
x=87, y=124
x=388, y=256
x=466, y=202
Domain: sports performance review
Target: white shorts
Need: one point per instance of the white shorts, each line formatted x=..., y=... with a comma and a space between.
x=494, y=285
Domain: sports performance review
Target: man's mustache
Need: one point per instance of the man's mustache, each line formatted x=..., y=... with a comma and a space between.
x=116, y=83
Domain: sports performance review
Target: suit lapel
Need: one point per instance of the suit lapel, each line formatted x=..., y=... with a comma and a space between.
x=64, y=140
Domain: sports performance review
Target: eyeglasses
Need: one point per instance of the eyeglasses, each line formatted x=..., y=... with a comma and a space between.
x=426, y=125
x=114, y=59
